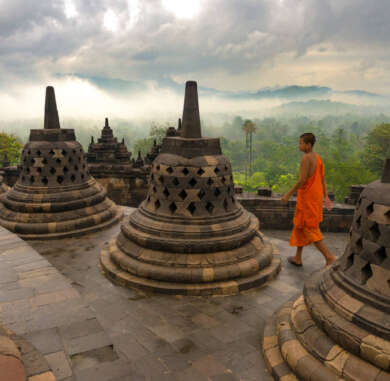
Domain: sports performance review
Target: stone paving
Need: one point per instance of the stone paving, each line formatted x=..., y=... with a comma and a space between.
x=87, y=328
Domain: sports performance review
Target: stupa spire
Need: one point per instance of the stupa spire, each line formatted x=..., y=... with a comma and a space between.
x=179, y=129
x=51, y=113
x=191, y=119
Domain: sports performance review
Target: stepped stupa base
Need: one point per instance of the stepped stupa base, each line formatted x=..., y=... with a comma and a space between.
x=116, y=217
x=233, y=286
x=308, y=340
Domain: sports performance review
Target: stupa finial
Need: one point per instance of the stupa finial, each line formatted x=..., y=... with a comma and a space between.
x=191, y=119
x=51, y=113
x=179, y=126
x=386, y=172
x=106, y=123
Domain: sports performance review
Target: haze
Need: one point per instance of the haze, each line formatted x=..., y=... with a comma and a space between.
x=130, y=59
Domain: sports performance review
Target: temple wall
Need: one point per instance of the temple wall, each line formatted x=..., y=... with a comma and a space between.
x=272, y=214
x=125, y=191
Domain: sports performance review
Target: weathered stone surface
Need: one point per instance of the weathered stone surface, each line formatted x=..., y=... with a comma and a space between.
x=190, y=235
x=55, y=195
x=343, y=319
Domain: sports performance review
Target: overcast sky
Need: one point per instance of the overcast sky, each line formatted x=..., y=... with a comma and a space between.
x=230, y=45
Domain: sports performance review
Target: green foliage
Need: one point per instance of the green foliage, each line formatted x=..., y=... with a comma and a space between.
x=157, y=132
x=11, y=145
x=377, y=148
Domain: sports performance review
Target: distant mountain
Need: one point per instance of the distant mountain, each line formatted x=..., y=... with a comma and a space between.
x=324, y=107
x=361, y=93
x=294, y=92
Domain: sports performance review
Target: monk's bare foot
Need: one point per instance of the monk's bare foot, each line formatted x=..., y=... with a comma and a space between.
x=330, y=260
x=294, y=261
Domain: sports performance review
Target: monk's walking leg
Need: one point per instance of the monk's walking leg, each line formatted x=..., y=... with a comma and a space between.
x=298, y=255
x=329, y=257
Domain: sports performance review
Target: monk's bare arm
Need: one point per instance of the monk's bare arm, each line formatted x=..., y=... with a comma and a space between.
x=328, y=203
x=303, y=176
x=324, y=188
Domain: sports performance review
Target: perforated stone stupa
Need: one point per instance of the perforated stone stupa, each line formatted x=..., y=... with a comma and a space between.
x=190, y=235
x=55, y=196
x=340, y=328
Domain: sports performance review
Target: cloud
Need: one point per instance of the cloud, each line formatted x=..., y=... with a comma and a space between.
x=226, y=44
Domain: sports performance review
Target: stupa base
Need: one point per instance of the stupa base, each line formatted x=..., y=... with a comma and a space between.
x=307, y=340
x=116, y=216
x=229, y=287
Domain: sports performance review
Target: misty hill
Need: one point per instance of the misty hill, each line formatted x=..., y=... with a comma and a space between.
x=325, y=107
x=120, y=86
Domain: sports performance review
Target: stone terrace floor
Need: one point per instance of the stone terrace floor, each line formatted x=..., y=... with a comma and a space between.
x=89, y=329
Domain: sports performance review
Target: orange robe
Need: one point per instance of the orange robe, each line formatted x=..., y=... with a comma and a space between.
x=308, y=211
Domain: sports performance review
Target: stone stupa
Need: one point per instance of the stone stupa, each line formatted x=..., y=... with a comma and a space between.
x=190, y=235
x=55, y=196
x=339, y=329
x=107, y=150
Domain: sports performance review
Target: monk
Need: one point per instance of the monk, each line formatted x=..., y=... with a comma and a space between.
x=311, y=187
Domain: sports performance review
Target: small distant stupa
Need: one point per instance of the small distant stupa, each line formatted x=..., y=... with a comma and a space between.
x=55, y=196
x=190, y=235
x=108, y=149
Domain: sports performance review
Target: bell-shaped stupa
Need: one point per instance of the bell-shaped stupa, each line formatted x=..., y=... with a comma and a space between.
x=190, y=235
x=55, y=196
x=340, y=328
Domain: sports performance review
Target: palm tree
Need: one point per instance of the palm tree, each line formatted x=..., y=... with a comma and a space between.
x=249, y=128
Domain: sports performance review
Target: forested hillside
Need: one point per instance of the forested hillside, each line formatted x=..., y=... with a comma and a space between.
x=353, y=147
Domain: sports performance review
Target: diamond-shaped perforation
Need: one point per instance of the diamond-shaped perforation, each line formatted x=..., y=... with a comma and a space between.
x=366, y=273
x=45, y=180
x=210, y=182
x=175, y=181
x=370, y=208
x=154, y=189
x=157, y=204
x=201, y=194
x=217, y=192
x=170, y=170
x=380, y=255
x=185, y=171
x=166, y=192
x=60, y=179
x=359, y=243
x=216, y=170
x=51, y=153
x=158, y=167
x=193, y=182
x=349, y=261
x=191, y=208
x=359, y=221
x=200, y=172
x=226, y=204
x=172, y=207
x=161, y=179
x=183, y=194
x=72, y=177
x=210, y=207
x=223, y=179
x=374, y=229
